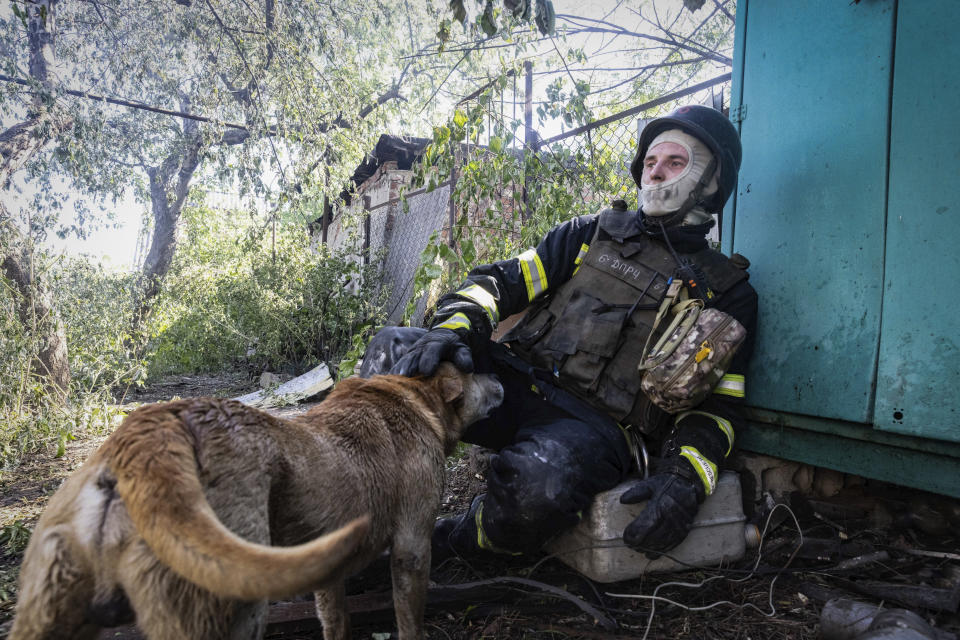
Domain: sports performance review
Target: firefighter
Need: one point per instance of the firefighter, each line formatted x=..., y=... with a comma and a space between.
x=573, y=404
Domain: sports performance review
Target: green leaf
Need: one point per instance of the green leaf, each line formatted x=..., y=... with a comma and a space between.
x=546, y=17
x=487, y=22
x=22, y=15
x=459, y=11
x=459, y=119
x=496, y=144
x=433, y=271
x=443, y=33
x=429, y=254
x=441, y=134
x=448, y=253
x=468, y=251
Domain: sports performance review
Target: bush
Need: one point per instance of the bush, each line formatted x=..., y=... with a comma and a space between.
x=33, y=418
x=96, y=306
x=232, y=297
x=235, y=297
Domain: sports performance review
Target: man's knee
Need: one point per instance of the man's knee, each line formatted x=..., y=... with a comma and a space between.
x=532, y=493
x=541, y=484
x=386, y=347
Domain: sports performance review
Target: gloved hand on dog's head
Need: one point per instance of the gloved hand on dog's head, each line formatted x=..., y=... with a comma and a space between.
x=668, y=516
x=433, y=347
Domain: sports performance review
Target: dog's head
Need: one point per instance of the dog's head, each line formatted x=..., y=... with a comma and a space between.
x=471, y=396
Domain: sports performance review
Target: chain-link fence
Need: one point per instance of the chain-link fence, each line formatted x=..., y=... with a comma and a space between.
x=591, y=164
x=394, y=230
x=597, y=156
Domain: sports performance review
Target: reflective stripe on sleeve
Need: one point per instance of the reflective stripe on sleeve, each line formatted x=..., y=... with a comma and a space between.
x=534, y=275
x=723, y=424
x=456, y=321
x=732, y=384
x=704, y=468
x=485, y=299
x=580, y=256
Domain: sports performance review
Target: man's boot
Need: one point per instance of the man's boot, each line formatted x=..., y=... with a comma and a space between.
x=463, y=536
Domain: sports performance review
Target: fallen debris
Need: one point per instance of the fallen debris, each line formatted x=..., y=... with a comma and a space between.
x=313, y=382
x=843, y=619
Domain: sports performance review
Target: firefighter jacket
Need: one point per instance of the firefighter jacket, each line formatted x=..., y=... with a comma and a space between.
x=591, y=290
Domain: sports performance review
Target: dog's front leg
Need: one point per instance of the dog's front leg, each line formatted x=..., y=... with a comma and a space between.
x=410, y=572
x=332, y=611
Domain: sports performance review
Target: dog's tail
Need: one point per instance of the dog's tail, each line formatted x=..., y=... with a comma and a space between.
x=173, y=516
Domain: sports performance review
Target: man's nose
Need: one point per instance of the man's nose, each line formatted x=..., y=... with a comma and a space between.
x=658, y=172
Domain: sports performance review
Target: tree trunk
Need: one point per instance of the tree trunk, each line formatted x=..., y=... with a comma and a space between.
x=18, y=145
x=36, y=310
x=169, y=186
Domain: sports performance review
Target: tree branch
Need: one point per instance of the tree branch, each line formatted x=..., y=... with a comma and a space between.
x=723, y=8
x=607, y=27
x=20, y=142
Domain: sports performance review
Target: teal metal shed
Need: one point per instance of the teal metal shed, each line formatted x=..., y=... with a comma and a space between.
x=848, y=206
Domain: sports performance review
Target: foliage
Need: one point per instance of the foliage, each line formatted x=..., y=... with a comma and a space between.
x=509, y=195
x=494, y=222
x=13, y=540
x=283, y=88
x=240, y=295
x=292, y=95
x=14, y=537
x=8, y=589
x=237, y=295
x=491, y=19
x=33, y=418
x=96, y=306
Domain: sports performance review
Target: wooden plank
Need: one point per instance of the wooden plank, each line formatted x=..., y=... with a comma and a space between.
x=300, y=388
x=290, y=618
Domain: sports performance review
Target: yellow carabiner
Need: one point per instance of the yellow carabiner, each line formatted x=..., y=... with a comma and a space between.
x=704, y=352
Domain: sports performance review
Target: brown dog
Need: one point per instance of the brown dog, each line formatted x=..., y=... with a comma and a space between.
x=169, y=521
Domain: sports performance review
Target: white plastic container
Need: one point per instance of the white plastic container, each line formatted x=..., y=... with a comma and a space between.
x=596, y=549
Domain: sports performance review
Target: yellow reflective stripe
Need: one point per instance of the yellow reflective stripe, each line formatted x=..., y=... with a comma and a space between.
x=534, y=275
x=704, y=468
x=580, y=256
x=732, y=384
x=484, y=298
x=456, y=321
x=483, y=541
x=723, y=424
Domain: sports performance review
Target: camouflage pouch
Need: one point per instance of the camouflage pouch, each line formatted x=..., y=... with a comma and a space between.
x=691, y=356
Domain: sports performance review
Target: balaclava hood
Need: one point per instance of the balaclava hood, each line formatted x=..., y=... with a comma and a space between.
x=671, y=196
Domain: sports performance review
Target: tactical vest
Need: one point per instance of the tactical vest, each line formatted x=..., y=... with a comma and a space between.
x=589, y=333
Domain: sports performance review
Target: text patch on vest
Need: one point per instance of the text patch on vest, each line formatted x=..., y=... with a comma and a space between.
x=631, y=272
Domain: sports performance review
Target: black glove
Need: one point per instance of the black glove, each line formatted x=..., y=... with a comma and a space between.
x=667, y=518
x=435, y=345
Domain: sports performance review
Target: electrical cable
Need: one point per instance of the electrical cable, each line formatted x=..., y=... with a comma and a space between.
x=654, y=598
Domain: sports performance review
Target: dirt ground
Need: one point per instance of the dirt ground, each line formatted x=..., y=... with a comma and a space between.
x=876, y=544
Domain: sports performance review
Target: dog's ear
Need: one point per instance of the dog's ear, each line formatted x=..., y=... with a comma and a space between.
x=450, y=385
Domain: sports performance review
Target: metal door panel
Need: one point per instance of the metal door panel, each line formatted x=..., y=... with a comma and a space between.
x=811, y=199
x=918, y=382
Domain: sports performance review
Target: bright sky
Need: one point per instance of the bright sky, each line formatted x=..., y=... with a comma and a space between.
x=115, y=246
